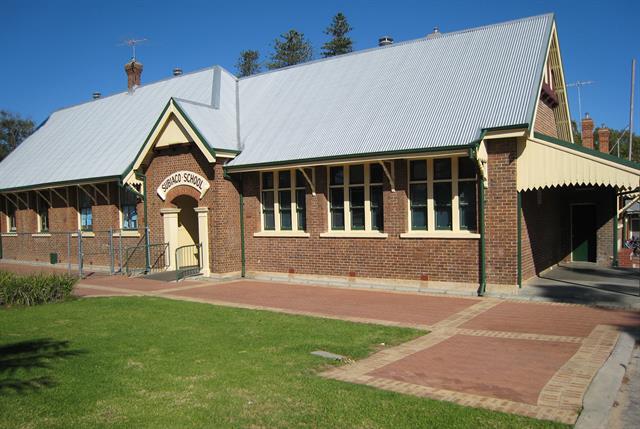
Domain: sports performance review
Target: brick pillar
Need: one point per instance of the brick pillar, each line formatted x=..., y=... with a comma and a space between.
x=587, y=132
x=501, y=215
x=603, y=139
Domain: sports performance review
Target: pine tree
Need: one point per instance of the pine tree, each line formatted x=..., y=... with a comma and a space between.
x=13, y=130
x=291, y=48
x=340, y=43
x=248, y=63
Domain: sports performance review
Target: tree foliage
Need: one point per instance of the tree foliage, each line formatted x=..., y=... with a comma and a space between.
x=13, y=130
x=340, y=43
x=248, y=63
x=289, y=49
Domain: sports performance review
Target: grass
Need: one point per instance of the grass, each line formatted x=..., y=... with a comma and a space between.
x=155, y=363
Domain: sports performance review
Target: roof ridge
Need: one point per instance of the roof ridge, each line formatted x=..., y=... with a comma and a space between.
x=402, y=43
x=200, y=70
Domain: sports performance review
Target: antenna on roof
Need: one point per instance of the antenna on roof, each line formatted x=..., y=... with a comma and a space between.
x=579, y=84
x=132, y=43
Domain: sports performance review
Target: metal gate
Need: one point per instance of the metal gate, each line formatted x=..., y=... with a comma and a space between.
x=188, y=261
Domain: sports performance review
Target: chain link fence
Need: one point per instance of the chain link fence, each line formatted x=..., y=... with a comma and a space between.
x=81, y=253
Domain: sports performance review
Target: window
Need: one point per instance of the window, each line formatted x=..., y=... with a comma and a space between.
x=336, y=197
x=418, y=194
x=268, y=212
x=86, y=217
x=442, y=194
x=356, y=197
x=11, y=217
x=283, y=200
x=43, y=214
x=376, y=177
x=129, y=207
x=301, y=203
x=467, y=193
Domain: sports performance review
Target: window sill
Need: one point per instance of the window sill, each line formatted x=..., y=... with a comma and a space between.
x=354, y=234
x=131, y=233
x=281, y=234
x=9, y=234
x=441, y=234
x=41, y=234
x=84, y=234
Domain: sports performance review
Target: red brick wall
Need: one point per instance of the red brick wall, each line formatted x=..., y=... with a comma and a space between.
x=222, y=199
x=545, y=120
x=454, y=260
x=501, y=213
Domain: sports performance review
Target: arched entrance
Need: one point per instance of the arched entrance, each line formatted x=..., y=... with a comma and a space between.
x=187, y=220
x=186, y=231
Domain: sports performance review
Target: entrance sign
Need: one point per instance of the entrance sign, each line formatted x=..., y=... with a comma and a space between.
x=187, y=178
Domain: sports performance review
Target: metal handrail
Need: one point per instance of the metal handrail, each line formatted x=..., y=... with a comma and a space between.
x=188, y=260
x=157, y=253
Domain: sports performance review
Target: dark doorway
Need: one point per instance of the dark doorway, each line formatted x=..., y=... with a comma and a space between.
x=583, y=232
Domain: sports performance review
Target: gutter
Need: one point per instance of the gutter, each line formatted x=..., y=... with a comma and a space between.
x=473, y=153
x=147, y=255
x=226, y=176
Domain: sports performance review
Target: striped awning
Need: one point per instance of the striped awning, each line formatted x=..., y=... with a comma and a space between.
x=543, y=163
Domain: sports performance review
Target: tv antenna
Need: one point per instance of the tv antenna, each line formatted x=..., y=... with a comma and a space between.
x=132, y=43
x=579, y=84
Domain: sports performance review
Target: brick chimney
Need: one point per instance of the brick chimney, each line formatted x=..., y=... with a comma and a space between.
x=587, y=132
x=134, y=71
x=603, y=138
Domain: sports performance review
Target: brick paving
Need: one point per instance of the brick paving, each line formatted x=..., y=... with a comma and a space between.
x=532, y=359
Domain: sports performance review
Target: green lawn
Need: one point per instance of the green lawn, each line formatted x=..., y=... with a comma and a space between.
x=151, y=362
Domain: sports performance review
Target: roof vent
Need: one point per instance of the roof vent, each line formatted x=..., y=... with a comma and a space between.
x=97, y=95
x=177, y=71
x=435, y=33
x=385, y=41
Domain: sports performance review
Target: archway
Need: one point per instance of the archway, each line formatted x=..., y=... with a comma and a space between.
x=188, y=233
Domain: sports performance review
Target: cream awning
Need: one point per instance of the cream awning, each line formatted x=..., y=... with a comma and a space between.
x=545, y=164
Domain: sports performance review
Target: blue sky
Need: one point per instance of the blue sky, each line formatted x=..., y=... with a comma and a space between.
x=58, y=53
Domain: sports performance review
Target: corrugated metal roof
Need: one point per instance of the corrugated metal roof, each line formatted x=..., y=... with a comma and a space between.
x=217, y=126
x=101, y=138
x=421, y=94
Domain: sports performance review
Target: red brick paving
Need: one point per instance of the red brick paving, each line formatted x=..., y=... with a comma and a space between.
x=504, y=368
x=397, y=307
x=536, y=318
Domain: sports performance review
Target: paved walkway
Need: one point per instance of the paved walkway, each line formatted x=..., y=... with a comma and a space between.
x=530, y=358
x=583, y=282
x=533, y=359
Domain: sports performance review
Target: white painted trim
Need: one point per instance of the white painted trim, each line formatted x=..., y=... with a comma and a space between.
x=41, y=234
x=354, y=234
x=281, y=234
x=85, y=234
x=441, y=234
x=155, y=134
x=127, y=233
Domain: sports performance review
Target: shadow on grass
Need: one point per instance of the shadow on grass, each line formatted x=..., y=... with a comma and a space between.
x=19, y=358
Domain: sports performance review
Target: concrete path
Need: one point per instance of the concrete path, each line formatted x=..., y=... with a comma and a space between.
x=529, y=358
x=626, y=411
x=586, y=283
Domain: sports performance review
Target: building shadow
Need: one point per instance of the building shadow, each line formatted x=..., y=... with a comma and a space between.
x=18, y=359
